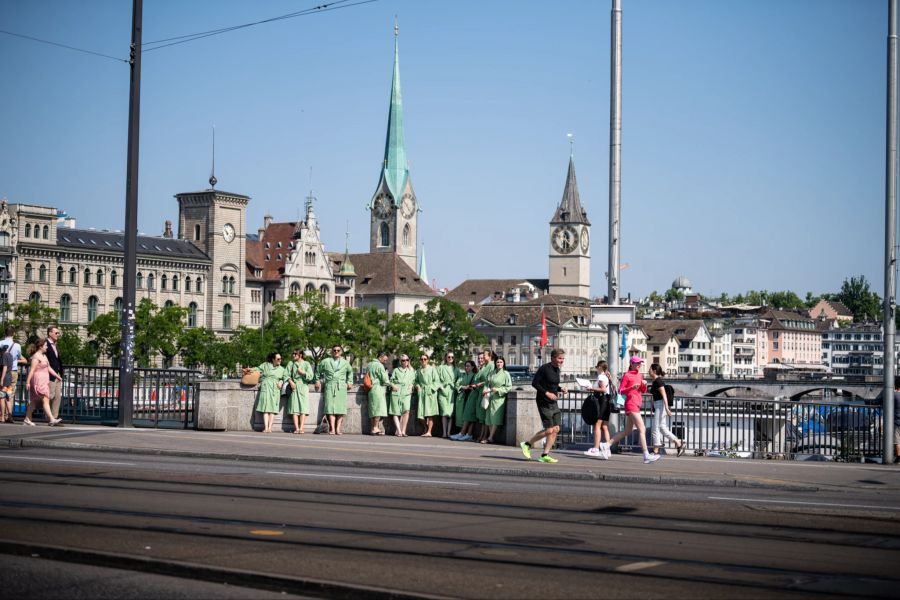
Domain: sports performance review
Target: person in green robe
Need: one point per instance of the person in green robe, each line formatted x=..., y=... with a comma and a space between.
x=377, y=395
x=300, y=373
x=465, y=420
x=271, y=376
x=426, y=389
x=402, y=380
x=496, y=389
x=481, y=378
x=446, y=392
x=337, y=376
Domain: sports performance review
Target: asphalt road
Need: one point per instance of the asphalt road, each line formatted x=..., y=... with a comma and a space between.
x=329, y=531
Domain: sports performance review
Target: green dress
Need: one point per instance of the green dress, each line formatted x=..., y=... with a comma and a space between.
x=336, y=376
x=460, y=414
x=302, y=374
x=483, y=375
x=500, y=382
x=270, y=379
x=447, y=375
x=426, y=389
x=377, y=399
x=401, y=399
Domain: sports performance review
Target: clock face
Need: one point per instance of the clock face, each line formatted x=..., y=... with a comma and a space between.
x=228, y=232
x=585, y=240
x=407, y=206
x=564, y=239
x=382, y=207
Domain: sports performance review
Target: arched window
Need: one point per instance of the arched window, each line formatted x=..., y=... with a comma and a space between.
x=169, y=304
x=163, y=283
x=187, y=283
x=27, y=229
x=117, y=306
x=139, y=281
x=46, y=235
x=310, y=287
x=99, y=277
x=197, y=232
x=406, y=235
x=324, y=291
x=34, y=298
x=295, y=289
x=113, y=278
x=385, y=235
x=151, y=281
x=60, y=274
x=87, y=277
x=231, y=285
x=224, y=284
x=65, y=308
x=192, y=314
x=73, y=275
x=174, y=283
x=42, y=273
x=226, y=316
x=92, y=309
x=199, y=285
x=28, y=271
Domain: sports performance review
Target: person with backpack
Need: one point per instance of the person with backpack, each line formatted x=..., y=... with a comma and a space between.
x=663, y=397
x=377, y=396
x=633, y=386
x=602, y=390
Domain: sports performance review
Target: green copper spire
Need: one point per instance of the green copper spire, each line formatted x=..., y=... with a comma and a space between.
x=396, y=170
x=423, y=270
x=347, y=269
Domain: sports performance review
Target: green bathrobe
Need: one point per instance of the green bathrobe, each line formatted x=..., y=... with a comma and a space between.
x=500, y=384
x=377, y=399
x=447, y=375
x=483, y=375
x=302, y=374
x=335, y=377
x=462, y=402
x=426, y=388
x=270, y=387
x=401, y=399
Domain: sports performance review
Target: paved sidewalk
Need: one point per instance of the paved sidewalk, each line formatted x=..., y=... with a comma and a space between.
x=439, y=455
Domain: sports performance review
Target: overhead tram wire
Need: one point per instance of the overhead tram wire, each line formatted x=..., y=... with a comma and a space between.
x=336, y=5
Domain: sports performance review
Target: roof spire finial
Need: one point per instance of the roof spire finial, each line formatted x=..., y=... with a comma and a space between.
x=571, y=144
x=396, y=27
x=347, y=269
x=212, y=174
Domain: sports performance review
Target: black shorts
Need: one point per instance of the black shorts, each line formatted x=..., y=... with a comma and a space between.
x=605, y=407
x=551, y=416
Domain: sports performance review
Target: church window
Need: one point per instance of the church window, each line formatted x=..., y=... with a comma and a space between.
x=99, y=277
x=295, y=289
x=192, y=314
x=231, y=285
x=226, y=316
x=28, y=271
x=385, y=235
x=65, y=308
x=224, y=284
x=42, y=273
x=27, y=229
x=46, y=235
x=59, y=274
x=92, y=309
x=87, y=277
x=406, y=232
x=197, y=232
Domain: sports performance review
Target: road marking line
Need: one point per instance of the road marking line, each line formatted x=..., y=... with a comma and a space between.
x=805, y=503
x=372, y=478
x=639, y=566
x=271, y=532
x=93, y=462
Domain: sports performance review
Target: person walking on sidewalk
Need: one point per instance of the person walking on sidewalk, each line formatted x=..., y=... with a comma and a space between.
x=466, y=399
x=378, y=394
x=337, y=375
x=633, y=386
x=7, y=389
x=546, y=382
x=402, y=380
x=15, y=350
x=426, y=390
x=447, y=374
x=38, y=383
x=496, y=389
x=662, y=406
x=53, y=333
x=272, y=375
x=603, y=389
x=300, y=373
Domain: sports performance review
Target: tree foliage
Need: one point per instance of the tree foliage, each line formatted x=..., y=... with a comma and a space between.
x=862, y=302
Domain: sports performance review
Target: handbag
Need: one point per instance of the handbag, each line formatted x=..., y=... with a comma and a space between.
x=590, y=409
x=250, y=378
x=367, y=382
x=485, y=401
x=620, y=400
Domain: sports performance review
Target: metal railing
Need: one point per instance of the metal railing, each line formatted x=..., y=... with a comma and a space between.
x=162, y=397
x=750, y=427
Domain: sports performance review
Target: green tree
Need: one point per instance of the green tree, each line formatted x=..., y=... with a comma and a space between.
x=195, y=346
x=156, y=331
x=249, y=347
x=401, y=335
x=73, y=350
x=672, y=294
x=31, y=320
x=862, y=302
x=106, y=331
x=445, y=326
x=363, y=333
x=786, y=301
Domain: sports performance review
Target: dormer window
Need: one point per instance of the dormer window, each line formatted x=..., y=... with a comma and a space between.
x=513, y=318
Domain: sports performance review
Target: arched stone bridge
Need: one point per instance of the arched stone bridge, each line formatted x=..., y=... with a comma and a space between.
x=792, y=388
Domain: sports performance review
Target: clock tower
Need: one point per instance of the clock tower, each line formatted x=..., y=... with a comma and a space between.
x=394, y=207
x=570, y=243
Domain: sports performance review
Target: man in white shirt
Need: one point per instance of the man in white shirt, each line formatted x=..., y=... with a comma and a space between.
x=16, y=351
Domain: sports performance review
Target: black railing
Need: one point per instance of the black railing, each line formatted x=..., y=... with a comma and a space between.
x=162, y=397
x=752, y=428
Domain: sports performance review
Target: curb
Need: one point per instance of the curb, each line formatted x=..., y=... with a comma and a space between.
x=669, y=480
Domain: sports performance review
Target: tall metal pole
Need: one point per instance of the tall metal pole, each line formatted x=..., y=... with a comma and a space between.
x=615, y=179
x=126, y=367
x=890, y=234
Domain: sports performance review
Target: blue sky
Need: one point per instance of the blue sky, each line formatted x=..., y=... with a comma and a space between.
x=753, y=130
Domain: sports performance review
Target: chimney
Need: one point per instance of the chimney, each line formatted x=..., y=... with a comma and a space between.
x=167, y=233
x=267, y=220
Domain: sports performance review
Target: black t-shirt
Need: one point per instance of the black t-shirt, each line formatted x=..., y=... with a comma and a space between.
x=655, y=388
x=546, y=380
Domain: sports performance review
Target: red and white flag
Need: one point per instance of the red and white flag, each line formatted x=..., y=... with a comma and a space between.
x=543, y=328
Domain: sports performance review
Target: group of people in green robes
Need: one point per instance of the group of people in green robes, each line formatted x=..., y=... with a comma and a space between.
x=469, y=398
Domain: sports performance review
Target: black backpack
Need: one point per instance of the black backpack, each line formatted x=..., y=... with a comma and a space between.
x=670, y=394
x=590, y=409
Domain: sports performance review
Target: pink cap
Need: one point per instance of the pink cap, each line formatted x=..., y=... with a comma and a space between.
x=635, y=360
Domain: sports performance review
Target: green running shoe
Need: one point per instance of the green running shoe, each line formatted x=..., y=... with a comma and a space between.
x=526, y=450
x=547, y=459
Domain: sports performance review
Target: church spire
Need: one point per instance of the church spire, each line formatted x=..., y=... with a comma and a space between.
x=569, y=209
x=423, y=270
x=395, y=167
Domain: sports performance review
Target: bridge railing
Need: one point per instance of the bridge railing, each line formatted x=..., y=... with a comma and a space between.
x=750, y=428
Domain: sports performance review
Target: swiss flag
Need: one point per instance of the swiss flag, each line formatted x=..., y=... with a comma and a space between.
x=543, y=328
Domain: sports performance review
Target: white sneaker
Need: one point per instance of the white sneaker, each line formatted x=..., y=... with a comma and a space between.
x=605, y=450
x=54, y=422
x=592, y=452
x=28, y=422
x=650, y=458
x=466, y=438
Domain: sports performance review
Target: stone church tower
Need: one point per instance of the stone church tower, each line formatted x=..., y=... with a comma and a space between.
x=394, y=209
x=570, y=243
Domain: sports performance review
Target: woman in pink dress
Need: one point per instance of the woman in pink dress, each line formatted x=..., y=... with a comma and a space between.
x=38, y=383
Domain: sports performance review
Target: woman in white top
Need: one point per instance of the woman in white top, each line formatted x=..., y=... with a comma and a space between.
x=603, y=388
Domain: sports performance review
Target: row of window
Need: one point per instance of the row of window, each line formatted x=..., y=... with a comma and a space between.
x=386, y=235
x=98, y=277
x=39, y=232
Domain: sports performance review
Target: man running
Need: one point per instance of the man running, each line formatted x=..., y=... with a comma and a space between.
x=546, y=382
